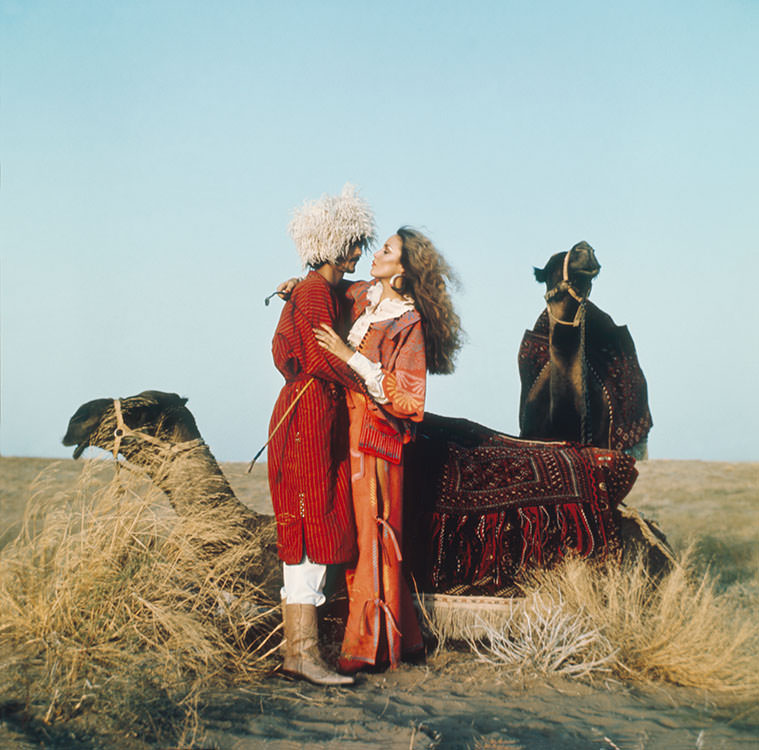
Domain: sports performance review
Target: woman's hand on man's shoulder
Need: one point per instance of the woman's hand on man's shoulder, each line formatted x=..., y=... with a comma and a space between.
x=286, y=287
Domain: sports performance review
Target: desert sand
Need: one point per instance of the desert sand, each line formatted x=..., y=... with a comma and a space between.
x=453, y=701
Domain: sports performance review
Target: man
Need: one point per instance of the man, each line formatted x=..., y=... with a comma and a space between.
x=308, y=459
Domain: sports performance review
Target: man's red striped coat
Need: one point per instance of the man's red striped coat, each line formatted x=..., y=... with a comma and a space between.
x=308, y=459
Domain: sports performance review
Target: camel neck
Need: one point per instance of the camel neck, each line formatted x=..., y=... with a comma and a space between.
x=568, y=312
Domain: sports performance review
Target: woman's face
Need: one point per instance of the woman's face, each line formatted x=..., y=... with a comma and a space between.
x=387, y=260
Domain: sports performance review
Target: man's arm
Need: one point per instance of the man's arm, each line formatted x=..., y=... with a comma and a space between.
x=312, y=307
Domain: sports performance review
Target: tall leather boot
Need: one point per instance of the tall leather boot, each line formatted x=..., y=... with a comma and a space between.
x=283, y=644
x=302, y=658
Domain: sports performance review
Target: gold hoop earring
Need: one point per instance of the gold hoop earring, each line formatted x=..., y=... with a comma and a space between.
x=392, y=281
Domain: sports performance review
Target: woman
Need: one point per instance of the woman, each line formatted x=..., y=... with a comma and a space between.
x=404, y=325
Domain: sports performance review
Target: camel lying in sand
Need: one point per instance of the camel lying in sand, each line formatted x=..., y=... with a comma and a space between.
x=487, y=507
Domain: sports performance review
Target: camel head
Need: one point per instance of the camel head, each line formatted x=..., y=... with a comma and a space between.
x=574, y=271
x=160, y=415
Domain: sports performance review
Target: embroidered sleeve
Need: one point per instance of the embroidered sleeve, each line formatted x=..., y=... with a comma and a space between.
x=372, y=375
x=405, y=385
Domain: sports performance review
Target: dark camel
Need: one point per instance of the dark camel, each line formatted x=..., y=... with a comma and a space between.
x=581, y=380
x=156, y=432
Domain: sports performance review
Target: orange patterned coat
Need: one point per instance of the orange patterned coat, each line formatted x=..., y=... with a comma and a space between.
x=398, y=345
x=382, y=626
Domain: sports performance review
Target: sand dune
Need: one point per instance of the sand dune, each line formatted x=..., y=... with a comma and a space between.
x=453, y=701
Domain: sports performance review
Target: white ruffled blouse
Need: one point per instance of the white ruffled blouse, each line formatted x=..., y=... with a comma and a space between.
x=377, y=310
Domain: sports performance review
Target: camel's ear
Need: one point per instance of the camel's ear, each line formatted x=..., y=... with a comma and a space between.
x=84, y=422
x=540, y=274
x=163, y=399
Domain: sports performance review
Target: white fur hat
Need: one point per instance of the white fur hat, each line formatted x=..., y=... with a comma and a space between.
x=324, y=229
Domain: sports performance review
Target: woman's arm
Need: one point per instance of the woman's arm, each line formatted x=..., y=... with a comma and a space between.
x=401, y=390
x=405, y=385
x=370, y=372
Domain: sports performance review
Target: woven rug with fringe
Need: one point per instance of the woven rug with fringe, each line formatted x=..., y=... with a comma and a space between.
x=482, y=508
x=612, y=360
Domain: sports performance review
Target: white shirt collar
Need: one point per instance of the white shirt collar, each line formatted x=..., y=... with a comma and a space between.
x=374, y=293
x=377, y=310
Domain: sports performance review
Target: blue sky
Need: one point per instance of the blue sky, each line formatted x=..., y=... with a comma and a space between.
x=151, y=153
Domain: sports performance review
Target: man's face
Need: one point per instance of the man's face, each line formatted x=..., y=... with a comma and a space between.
x=349, y=264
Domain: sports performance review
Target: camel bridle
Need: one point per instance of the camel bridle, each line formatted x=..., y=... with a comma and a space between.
x=566, y=286
x=123, y=431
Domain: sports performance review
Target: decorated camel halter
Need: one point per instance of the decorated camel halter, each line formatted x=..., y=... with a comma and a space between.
x=123, y=431
x=565, y=285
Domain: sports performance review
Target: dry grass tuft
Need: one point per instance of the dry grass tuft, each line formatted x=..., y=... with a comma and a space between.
x=676, y=629
x=584, y=620
x=544, y=637
x=109, y=605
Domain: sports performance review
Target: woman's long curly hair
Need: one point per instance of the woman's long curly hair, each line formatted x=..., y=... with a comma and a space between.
x=425, y=273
